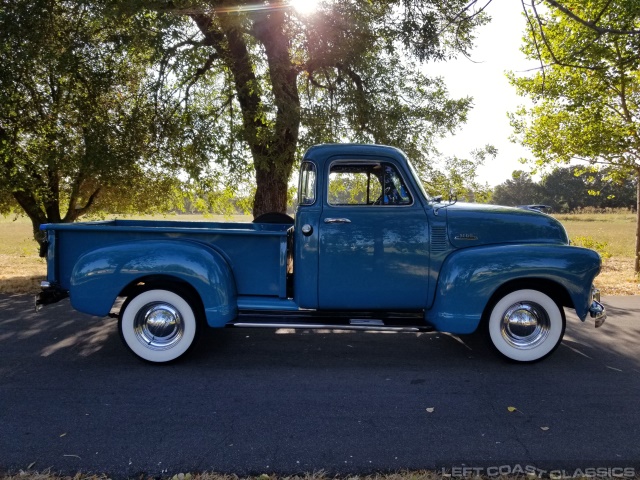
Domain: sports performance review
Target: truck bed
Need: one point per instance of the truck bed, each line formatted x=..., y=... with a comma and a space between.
x=256, y=252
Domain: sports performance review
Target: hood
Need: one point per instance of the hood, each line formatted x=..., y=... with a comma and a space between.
x=471, y=224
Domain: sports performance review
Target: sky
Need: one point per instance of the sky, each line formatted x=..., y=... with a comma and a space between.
x=496, y=51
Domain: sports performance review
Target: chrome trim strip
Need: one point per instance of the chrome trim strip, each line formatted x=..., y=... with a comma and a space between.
x=337, y=220
x=465, y=236
x=362, y=322
x=317, y=326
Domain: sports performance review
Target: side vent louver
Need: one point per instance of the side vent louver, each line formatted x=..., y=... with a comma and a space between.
x=439, y=239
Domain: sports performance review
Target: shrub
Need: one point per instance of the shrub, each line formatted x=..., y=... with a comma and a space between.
x=588, y=242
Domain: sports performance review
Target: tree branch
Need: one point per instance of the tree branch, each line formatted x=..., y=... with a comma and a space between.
x=75, y=213
x=466, y=19
x=535, y=43
x=199, y=73
x=556, y=60
x=591, y=24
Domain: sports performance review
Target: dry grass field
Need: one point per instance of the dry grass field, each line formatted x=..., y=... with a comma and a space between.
x=21, y=269
x=616, y=231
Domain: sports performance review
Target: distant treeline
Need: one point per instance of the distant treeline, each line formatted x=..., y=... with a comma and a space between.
x=566, y=190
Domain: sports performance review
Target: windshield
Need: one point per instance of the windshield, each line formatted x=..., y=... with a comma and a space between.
x=418, y=181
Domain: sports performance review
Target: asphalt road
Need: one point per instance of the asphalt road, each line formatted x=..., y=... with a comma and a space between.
x=259, y=401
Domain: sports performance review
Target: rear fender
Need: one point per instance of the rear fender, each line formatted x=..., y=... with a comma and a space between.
x=100, y=276
x=469, y=278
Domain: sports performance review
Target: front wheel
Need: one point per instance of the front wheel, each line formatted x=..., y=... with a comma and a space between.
x=526, y=325
x=158, y=325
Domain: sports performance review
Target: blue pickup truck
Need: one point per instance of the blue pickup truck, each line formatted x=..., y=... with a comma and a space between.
x=368, y=250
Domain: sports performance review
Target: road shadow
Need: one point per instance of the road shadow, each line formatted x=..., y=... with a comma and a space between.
x=250, y=401
x=616, y=344
x=58, y=330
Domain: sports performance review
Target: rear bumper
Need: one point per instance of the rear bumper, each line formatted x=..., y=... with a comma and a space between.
x=596, y=309
x=51, y=293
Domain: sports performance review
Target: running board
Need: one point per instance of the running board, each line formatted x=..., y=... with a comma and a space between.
x=354, y=324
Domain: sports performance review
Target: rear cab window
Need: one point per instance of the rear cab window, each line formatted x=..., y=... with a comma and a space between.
x=307, y=187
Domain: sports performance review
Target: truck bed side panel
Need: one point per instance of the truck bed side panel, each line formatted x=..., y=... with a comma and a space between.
x=256, y=254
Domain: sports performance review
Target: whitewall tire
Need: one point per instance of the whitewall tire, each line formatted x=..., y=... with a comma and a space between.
x=158, y=325
x=526, y=325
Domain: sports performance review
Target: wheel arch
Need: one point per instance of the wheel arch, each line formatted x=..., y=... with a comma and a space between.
x=555, y=290
x=165, y=282
x=116, y=270
x=470, y=279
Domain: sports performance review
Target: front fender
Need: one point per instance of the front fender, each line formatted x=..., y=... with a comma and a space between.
x=99, y=276
x=469, y=278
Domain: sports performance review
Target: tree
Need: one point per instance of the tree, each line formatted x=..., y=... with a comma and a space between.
x=78, y=126
x=594, y=19
x=336, y=75
x=569, y=189
x=458, y=176
x=519, y=190
x=586, y=96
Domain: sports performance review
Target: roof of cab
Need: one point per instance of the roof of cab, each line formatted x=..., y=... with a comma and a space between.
x=320, y=153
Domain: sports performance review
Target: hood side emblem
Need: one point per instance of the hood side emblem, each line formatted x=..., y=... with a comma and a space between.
x=466, y=236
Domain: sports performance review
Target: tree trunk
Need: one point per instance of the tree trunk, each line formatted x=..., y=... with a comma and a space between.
x=271, y=192
x=48, y=210
x=272, y=144
x=34, y=212
x=274, y=169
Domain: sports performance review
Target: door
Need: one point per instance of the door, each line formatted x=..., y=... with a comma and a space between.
x=373, y=241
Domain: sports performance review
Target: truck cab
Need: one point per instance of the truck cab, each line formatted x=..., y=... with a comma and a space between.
x=362, y=233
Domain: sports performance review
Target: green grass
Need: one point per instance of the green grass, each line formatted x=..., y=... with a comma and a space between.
x=16, y=237
x=617, y=230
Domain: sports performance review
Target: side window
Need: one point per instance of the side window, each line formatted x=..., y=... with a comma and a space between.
x=307, y=187
x=352, y=186
x=366, y=184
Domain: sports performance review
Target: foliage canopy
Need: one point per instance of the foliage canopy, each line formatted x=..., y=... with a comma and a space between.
x=79, y=127
x=586, y=95
x=348, y=72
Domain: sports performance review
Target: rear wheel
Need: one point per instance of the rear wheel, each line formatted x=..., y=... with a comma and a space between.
x=526, y=325
x=158, y=325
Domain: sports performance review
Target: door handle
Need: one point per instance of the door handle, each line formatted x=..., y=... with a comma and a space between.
x=337, y=220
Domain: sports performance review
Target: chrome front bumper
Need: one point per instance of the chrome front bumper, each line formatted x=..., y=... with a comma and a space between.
x=597, y=310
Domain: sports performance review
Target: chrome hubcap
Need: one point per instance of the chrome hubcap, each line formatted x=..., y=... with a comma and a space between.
x=525, y=325
x=158, y=326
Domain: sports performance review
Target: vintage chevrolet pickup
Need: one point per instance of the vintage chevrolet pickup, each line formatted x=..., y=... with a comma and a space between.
x=368, y=250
